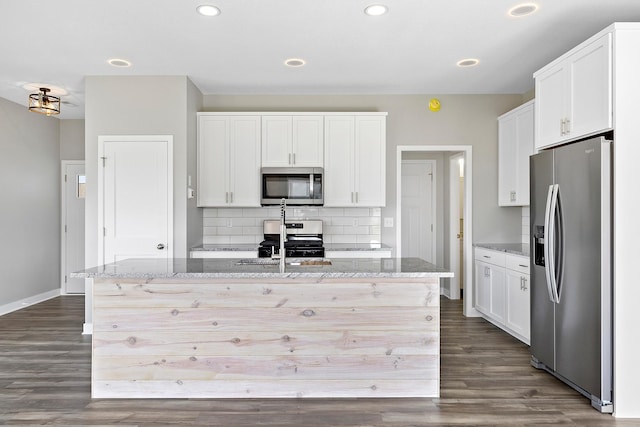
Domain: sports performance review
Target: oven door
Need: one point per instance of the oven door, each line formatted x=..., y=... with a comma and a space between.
x=298, y=186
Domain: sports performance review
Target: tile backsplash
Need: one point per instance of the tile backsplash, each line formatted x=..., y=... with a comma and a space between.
x=526, y=227
x=244, y=225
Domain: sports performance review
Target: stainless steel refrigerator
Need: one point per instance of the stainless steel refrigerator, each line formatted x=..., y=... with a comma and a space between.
x=571, y=278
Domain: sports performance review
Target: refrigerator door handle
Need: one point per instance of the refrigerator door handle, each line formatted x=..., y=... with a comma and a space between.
x=549, y=242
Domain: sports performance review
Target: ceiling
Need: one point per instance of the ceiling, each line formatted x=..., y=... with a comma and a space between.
x=411, y=49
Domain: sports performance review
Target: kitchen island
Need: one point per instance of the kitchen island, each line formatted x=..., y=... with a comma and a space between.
x=231, y=328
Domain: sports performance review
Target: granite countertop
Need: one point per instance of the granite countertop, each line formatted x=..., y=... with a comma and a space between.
x=356, y=247
x=236, y=247
x=189, y=268
x=512, y=248
x=231, y=247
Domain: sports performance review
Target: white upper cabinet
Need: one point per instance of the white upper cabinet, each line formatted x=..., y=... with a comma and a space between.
x=515, y=145
x=292, y=141
x=228, y=161
x=355, y=160
x=574, y=94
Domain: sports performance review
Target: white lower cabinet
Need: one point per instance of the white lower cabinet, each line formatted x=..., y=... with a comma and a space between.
x=502, y=291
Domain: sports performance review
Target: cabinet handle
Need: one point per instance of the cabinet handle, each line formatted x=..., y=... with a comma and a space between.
x=568, y=126
x=294, y=158
x=231, y=197
x=356, y=197
x=562, y=127
x=522, y=265
x=226, y=197
x=523, y=283
x=352, y=197
x=513, y=196
x=487, y=272
x=486, y=256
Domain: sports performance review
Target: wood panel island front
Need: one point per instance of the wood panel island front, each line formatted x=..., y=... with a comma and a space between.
x=224, y=328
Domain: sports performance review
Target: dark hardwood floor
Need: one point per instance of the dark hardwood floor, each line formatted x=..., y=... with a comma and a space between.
x=45, y=369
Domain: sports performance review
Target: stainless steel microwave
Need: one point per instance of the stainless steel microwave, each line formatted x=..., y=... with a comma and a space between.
x=298, y=186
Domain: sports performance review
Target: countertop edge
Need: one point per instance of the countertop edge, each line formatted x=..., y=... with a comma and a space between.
x=520, y=249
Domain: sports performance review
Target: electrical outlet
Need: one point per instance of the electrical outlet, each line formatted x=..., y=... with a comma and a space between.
x=388, y=222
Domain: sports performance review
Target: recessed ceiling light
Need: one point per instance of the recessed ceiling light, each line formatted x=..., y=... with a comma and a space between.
x=376, y=10
x=469, y=62
x=294, y=62
x=523, y=9
x=116, y=62
x=208, y=10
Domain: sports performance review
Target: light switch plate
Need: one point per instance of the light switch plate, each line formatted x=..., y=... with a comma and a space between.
x=388, y=222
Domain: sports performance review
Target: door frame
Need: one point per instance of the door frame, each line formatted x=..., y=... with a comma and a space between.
x=63, y=216
x=454, y=223
x=102, y=139
x=433, y=164
x=468, y=309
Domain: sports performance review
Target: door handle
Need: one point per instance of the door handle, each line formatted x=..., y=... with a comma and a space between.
x=160, y=246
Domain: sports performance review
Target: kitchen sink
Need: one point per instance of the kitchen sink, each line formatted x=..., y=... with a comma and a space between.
x=288, y=261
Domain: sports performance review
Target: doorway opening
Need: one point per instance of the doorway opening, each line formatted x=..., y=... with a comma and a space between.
x=444, y=231
x=73, y=183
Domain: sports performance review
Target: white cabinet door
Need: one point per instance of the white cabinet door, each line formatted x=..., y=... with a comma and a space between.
x=551, y=99
x=292, y=141
x=518, y=304
x=574, y=97
x=497, y=278
x=515, y=145
x=590, y=104
x=276, y=141
x=213, y=165
x=308, y=141
x=228, y=161
x=244, y=161
x=339, y=155
x=370, y=157
x=355, y=153
x=483, y=287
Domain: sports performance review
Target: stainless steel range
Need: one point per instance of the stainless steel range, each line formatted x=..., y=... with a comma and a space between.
x=304, y=239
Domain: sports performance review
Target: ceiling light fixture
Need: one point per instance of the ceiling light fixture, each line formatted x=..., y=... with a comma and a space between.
x=44, y=103
x=116, y=62
x=294, y=62
x=376, y=10
x=469, y=62
x=523, y=9
x=208, y=10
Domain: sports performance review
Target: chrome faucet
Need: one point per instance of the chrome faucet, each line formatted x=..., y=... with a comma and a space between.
x=283, y=237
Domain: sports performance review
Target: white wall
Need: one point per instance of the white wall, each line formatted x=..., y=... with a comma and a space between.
x=72, y=139
x=30, y=207
x=143, y=105
x=463, y=120
x=194, y=214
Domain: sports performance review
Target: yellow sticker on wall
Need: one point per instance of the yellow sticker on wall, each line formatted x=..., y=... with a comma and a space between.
x=434, y=104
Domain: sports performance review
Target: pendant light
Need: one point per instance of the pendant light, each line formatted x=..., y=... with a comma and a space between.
x=44, y=103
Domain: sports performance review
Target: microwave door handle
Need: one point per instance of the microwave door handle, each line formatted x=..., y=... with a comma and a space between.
x=311, y=186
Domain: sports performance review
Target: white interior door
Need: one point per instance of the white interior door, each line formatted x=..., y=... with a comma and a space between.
x=137, y=197
x=418, y=209
x=73, y=196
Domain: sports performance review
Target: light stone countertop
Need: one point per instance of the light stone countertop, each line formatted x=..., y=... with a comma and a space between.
x=189, y=268
x=229, y=247
x=521, y=249
x=237, y=247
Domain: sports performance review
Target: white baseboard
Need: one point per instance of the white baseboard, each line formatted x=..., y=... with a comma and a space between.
x=87, y=329
x=26, y=302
